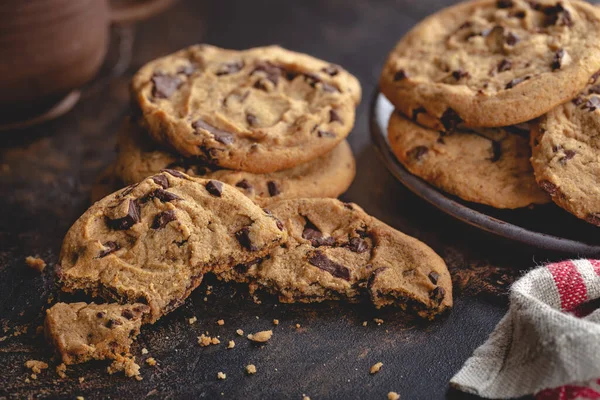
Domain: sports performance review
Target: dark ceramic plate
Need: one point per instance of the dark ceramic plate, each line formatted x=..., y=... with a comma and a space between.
x=547, y=227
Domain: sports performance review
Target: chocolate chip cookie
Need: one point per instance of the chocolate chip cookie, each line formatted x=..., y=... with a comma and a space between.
x=493, y=63
x=326, y=176
x=81, y=332
x=336, y=251
x=488, y=165
x=566, y=154
x=259, y=110
x=153, y=241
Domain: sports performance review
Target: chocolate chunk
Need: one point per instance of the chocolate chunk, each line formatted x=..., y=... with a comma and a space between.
x=459, y=74
x=243, y=268
x=400, y=75
x=331, y=70
x=505, y=4
x=100, y=314
x=417, y=152
x=594, y=78
x=126, y=222
x=568, y=155
x=334, y=117
x=111, y=323
x=244, y=184
x=219, y=135
x=549, y=187
x=271, y=71
x=517, y=14
x=165, y=85
x=311, y=231
x=504, y=65
x=594, y=89
x=320, y=260
x=163, y=218
x=230, y=68
x=273, y=188
x=511, y=39
x=111, y=247
x=243, y=237
x=417, y=111
x=277, y=221
x=329, y=88
x=450, y=119
x=592, y=104
x=349, y=206
x=558, y=59
x=593, y=219
x=160, y=194
x=433, y=277
x=363, y=233
x=251, y=119
x=127, y=313
x=161, y=180
x=128, y=190
x=516, y=81
x=579, y=100
x=322, y=133
x=175, y=173
x=215, y=188
x=496, y=151
x=187, y=69
x=437, y=295
x=358, y=245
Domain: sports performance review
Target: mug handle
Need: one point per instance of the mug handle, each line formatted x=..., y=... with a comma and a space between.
x=137, y=10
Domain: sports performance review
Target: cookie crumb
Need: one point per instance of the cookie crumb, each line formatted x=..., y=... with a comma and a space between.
x=376, y=368
x=305, y=397
x=204, y=340
x=231, y=344
x=33, y=376
x=221, y=375
x=250, y=369
x=192, y=320
x=364, y=323
x=261, y=337
x=35, y=263
x=378, y=321
x=393, y=396
x=36, y=366
x=206, y=299
x=61, y=369
x=240, y=332
x=127, y=365
x=80, y=398
x=144, y=351
x=151, y=361
x=221, y=322
x=275, y=322
x=81, y=379
x=298, y=326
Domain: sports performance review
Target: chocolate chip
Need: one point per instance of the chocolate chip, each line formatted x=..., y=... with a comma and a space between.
x=594, y=89
x=549, y=187
x=277, y=221
x=331, y=70
x=162, y=219
x=568, y=155
x=496, y=151
x=579, y=100
x=244, y=184
x=329, y=88
x=400, y=75
x=417, y=111
x=358, y=245
x=594, y=78
x=593, y=219
x=315, y=236
x=111, y=247
x=126, y=222
x=433, y=277
x=558, y=59
x=517, y=14
x=165, y=85
x=187, y=69
x=349, y=206
x=219, y=134
x=334, y=117
x=592, y=104
x=215, y=188
x=450, y=119
x=160, y=194
x=161, y=180
x=243, y=268
x=504, y=65
x=322, y=133
x=320, y=260
x=111, y=323
x=511, y=39
x=417, y=153
x=243, y=237
x=230, y=68
x=175, y=173
x=437, y=294
x=516, y=81
x=271, y=71
x=505, y=3
x=273, y=188
x=251, y=119
x=127, y=313
x=459, y=74
x=100, y=314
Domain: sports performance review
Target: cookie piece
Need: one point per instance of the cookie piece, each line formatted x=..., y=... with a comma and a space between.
x=327, y=176
x=81, y=332
x=488, y=166
x=566, y=154
x=336, y=251
x=259, y=110
x=153, y=241
x=493, y=63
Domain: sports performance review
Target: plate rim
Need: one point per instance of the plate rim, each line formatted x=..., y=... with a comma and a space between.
x=458, y=210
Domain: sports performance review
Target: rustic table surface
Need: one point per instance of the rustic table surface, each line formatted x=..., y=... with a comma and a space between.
x=45, y=177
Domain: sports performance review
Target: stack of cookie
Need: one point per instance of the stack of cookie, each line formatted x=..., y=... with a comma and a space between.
x=266, y=120
x=480, y=85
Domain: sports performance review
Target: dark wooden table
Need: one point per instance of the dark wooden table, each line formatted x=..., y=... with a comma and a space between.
x=46, y=174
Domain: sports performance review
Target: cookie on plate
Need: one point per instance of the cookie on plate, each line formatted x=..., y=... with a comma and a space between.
x=488, y=165
x=493, y=63
x=259, y=110
x=81, y=332
x=153, y=241
x=566, y=154
x=327, y=176
x=336, y=251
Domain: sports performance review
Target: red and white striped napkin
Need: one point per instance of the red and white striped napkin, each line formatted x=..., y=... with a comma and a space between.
x=548, y=344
